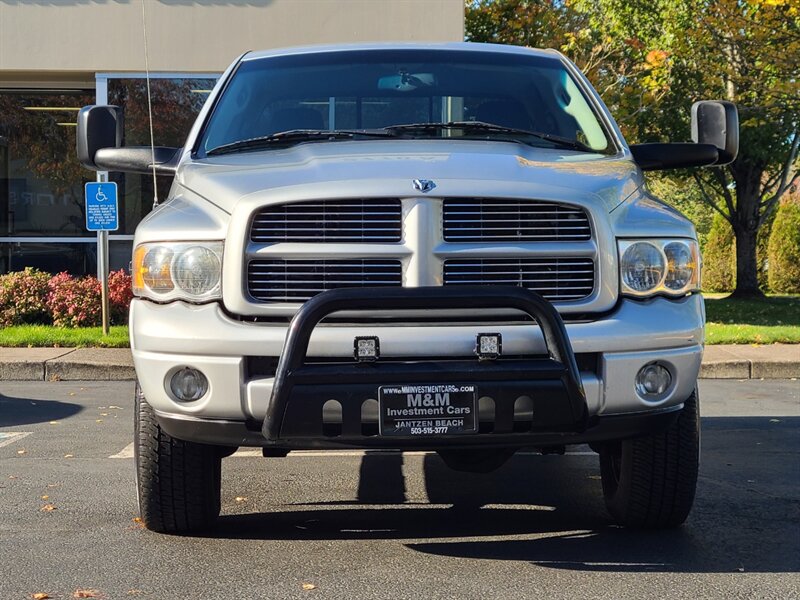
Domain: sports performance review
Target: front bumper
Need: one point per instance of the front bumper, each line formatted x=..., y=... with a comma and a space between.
x=166, y=338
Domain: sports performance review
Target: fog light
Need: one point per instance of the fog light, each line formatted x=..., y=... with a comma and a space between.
x=366, y=349
x=652, y=380
x=188, y=385
x=489, y=346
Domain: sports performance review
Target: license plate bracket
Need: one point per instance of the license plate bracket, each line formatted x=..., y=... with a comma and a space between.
x=427, y=409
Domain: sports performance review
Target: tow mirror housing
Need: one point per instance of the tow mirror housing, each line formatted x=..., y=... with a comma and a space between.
x=717, y=123
x=98, y=127
x=715, y=133
x=99, y=145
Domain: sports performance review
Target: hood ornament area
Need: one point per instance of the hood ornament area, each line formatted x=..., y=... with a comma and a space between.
x=423, y=185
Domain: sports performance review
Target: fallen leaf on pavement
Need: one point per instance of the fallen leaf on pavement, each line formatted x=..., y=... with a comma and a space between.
x=45, y=497
x=40, y=596
x=48, y=508
x=112, y=407
x=99, y=421
x=309, y=586
x=72, y=393
x=53, y=422
x=240, y=499
x=86, y=594
x=23, y=451
x=137, y=519
x=69, y=456
x=103, y=414
x=52, y=485
x=12, y=477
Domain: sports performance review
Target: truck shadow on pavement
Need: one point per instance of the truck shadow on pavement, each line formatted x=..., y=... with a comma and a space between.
x=26, y=411
x=548, y=510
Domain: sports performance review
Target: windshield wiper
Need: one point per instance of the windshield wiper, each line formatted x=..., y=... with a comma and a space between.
x=491, y=128
x=296, y=135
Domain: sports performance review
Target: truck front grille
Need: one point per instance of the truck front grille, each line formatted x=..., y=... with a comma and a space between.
x=297, y=280
x=344, y=221
x=560, y=279
x=488, y=220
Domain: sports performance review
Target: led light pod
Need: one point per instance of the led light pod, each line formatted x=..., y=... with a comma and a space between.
x=489, y=346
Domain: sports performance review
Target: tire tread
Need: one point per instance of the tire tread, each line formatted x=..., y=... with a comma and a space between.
x=178, y=482
x=658, y=474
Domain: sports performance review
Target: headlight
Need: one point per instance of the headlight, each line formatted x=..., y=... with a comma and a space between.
x=649, y=267
x=178, y=271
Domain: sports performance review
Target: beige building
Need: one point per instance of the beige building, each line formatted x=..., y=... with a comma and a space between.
x=58, y=56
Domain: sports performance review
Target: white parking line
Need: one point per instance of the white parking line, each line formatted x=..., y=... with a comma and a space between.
x=9, y=437
x=127, y=452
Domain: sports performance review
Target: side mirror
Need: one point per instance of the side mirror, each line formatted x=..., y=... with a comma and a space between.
x=715, y=133
x=99, y=145
x=717, y=123
x=98, y=127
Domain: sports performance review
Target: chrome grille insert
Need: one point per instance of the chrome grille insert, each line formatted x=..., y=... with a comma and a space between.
x=357, y=220
x=487, y=220
x=554, y=278
x=297, y=280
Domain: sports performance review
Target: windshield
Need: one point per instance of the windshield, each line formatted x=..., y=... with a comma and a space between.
x=371, y=90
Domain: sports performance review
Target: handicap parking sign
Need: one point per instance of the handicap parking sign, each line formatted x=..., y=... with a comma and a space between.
x=101, y=206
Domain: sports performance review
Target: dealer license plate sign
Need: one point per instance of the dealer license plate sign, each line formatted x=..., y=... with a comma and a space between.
x=419, y=410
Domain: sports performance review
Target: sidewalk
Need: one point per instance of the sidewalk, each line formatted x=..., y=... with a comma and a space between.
x=776, y=361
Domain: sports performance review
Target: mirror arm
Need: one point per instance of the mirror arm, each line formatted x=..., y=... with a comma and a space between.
x=139, y=159
x=660, y=156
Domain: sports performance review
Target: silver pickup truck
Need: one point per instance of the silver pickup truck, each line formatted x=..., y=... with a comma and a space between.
x=419, y=247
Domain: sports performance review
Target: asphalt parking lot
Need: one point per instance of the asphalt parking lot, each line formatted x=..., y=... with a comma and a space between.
x=349, y=525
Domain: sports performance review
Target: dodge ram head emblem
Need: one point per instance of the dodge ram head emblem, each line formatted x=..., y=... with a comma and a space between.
x=423, y=185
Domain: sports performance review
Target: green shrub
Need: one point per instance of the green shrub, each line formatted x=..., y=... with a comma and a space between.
x=719, y=257
x=23, y=297
x=784, y=248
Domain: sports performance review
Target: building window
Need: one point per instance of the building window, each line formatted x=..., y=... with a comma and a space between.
x=41, y=182
x=42, y=218
x=176, y=103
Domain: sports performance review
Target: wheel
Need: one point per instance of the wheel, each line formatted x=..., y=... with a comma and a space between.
x=649, y=482
x=178, y=482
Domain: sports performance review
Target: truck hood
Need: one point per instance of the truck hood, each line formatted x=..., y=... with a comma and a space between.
x=387, y=168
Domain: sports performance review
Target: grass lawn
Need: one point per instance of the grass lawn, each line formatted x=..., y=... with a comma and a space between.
x=764, y=321
x=729, y=321
x=63, y=337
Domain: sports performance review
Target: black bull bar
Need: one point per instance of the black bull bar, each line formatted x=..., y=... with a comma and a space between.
x=294, y=415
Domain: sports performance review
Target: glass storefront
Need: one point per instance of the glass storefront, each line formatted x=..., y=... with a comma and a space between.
x=175, y=103
x=41, y=182
x=42, y=221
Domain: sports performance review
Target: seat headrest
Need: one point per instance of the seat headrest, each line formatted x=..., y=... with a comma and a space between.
x=506, y=113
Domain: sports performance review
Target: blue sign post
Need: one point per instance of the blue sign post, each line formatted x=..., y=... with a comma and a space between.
x=101, y=206
x=102, y=216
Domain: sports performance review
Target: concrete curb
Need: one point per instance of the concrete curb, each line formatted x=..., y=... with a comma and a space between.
x=776, y=361
x=66, y=364
x=742, y=361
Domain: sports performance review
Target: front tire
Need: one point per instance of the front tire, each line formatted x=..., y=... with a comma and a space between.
x=649, y=482
x=178, y=482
